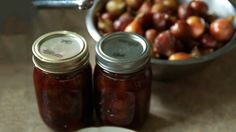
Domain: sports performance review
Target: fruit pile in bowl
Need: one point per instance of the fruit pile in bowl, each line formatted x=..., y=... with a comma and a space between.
x=183, y=34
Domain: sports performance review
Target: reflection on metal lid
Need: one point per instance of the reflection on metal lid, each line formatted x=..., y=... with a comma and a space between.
x=122, y=52
x=60, y=51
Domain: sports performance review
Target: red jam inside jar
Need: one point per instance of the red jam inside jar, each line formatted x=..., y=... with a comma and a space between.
x=64, y=100
x=122, y=99
x=63, y=80
x=122, y=80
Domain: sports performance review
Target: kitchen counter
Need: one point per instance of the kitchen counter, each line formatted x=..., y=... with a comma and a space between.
x=203, y=102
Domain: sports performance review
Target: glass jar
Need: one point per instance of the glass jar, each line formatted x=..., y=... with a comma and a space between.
x=122, y=80
x=62, y=79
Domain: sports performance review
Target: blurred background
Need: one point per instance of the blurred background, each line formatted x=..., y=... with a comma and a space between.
x=203, y=102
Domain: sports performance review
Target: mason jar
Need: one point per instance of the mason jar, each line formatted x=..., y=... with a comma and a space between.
x=122, y=80
x=62, y=79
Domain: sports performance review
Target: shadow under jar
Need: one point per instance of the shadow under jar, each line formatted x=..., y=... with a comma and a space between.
x=62, y=79
x=122, y=80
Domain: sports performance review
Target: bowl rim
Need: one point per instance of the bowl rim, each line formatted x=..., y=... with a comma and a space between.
x=227, y=47
x=107, y=127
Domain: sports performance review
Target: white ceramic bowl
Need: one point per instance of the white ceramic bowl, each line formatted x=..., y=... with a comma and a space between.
x=105, y=129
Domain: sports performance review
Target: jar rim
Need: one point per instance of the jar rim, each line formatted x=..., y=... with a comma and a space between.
x=122, y=52
x=60, y=52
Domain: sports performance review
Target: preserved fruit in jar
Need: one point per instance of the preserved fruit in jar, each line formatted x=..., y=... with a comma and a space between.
x=62, y=80
x=122, y=80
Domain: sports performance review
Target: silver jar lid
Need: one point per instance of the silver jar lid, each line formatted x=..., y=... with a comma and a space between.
x=122, y=52
x=60, y=52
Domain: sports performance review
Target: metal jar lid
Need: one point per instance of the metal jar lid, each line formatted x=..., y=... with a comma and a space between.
x=122, y=52
x=60, y=52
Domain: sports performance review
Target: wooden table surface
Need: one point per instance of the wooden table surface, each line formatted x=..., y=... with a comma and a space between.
x=203, y=102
